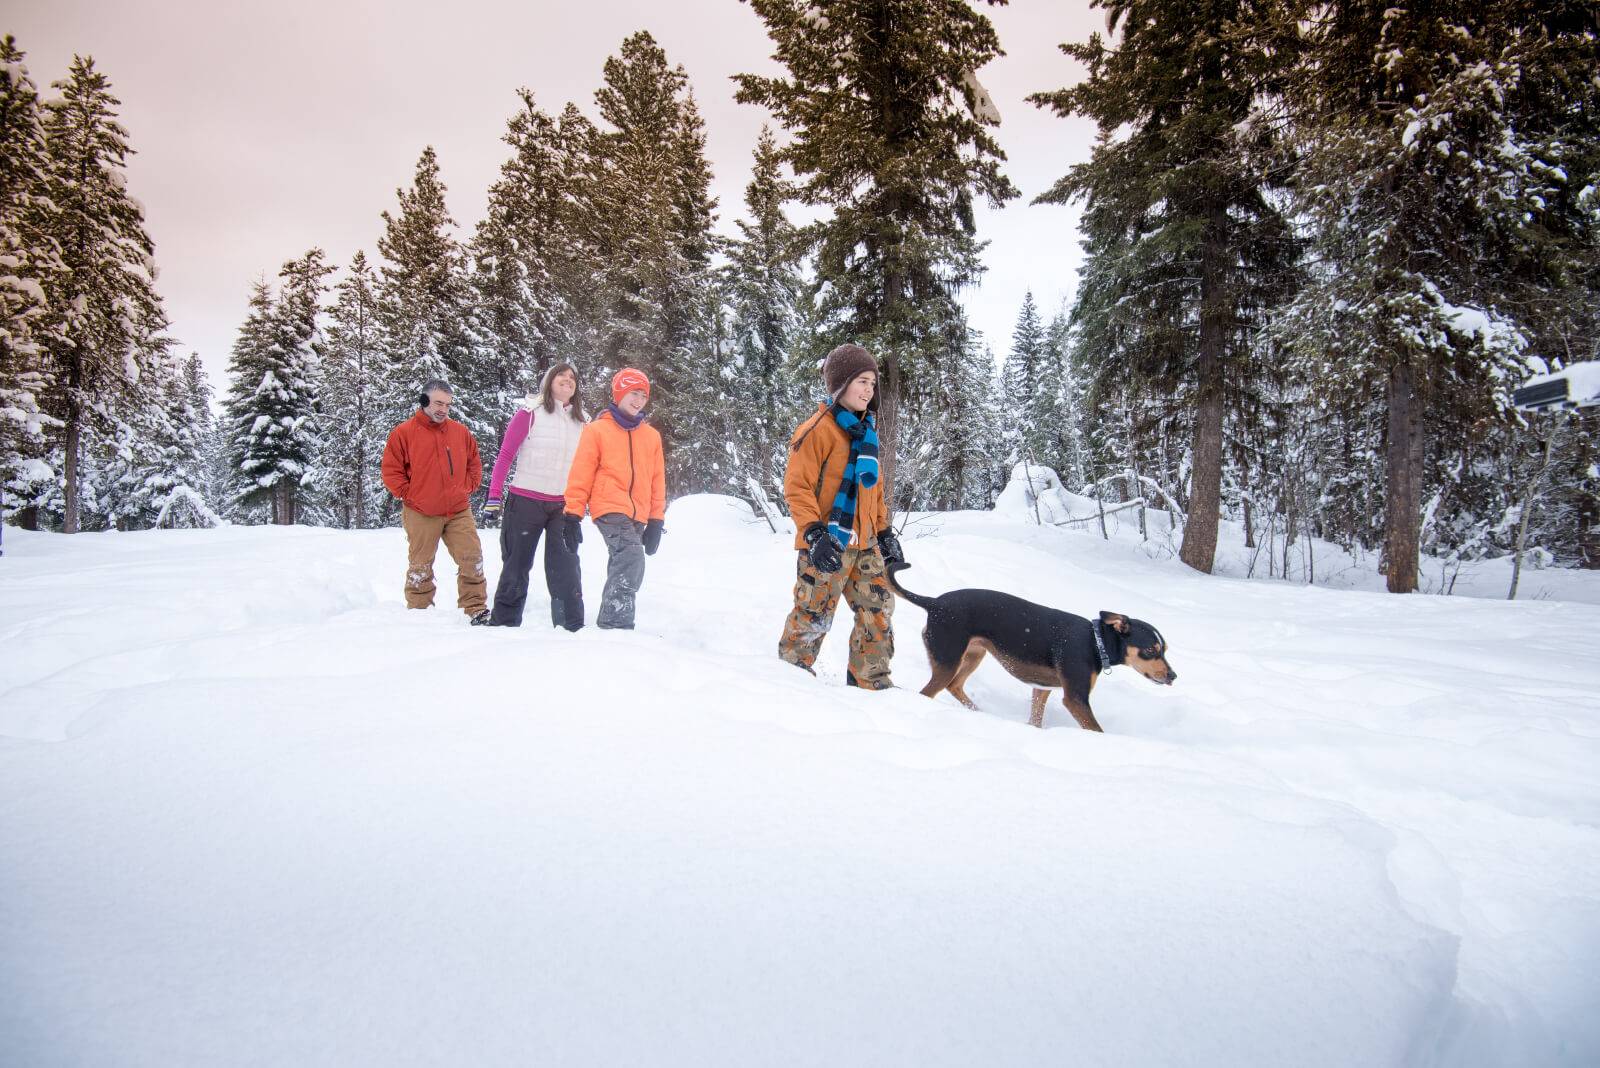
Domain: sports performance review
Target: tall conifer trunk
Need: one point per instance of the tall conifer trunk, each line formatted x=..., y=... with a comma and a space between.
x=1588, y=507
x=73, y=442
x=74, y=447
x=1402, y=476
x=1205, y=499
x=890, y=383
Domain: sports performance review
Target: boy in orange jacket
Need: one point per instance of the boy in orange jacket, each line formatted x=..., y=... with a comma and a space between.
x=619, y=476
x=842, y=532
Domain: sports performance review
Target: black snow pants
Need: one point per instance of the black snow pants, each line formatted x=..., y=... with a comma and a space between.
x=521, y=524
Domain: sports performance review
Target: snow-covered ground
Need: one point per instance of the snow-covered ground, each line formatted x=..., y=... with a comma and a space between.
x=254, y=812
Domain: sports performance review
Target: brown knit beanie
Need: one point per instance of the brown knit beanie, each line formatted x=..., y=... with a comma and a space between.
x=842, y=365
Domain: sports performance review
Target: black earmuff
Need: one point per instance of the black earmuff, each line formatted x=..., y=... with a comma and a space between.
x=422, y=400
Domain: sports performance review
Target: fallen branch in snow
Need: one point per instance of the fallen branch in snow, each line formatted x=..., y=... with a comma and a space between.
x=762, y=503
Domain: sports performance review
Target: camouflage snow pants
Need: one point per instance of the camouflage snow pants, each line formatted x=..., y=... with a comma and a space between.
x=865, y=587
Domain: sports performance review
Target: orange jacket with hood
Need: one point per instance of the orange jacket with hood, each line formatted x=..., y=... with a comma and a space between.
x=811, y=480
x=617, y=470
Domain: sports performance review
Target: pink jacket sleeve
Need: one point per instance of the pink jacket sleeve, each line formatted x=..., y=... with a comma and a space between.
x=510, y=442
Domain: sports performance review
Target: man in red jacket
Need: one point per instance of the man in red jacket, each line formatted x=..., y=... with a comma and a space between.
x=431, y=464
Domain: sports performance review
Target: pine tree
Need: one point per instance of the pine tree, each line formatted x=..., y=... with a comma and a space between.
x=650, y=219
x=955, y=448
x=1021, y=385
x=977, y=422
x=890, y=130
x=355, y=390
x=574, y=260
x=523, y=251
x=97, y=305
x=300, y=345
x=270, y=410
x=1433, y=146
x=424, y=305
x=28, y=265
x=1550, y=270
x=1179, y=210
x=1054, y=431
x=153, y=467
x=198, y=444
x=763, y=282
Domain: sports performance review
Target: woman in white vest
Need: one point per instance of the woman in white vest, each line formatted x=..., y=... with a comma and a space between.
x=541, y=439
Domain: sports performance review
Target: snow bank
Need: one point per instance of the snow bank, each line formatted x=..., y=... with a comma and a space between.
x=255, y=812
x=1034, y=493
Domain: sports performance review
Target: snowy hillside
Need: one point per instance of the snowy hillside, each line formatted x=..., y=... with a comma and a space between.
x=253, y=812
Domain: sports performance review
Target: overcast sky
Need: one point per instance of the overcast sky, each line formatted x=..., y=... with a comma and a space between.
x=264, y=128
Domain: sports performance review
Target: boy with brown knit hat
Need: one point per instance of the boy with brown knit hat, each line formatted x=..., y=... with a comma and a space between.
x=841, y=524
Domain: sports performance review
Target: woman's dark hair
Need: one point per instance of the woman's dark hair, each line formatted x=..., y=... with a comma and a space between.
x=548, y=402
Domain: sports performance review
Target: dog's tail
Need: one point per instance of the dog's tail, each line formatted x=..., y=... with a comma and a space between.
x=894, y=584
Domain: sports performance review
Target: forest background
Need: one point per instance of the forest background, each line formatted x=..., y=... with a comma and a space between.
x=1320, y=243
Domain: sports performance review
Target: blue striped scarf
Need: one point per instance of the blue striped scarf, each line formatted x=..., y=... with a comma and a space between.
x=860, y=472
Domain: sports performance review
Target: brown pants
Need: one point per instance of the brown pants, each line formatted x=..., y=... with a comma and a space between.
x=864, y=584
x=461, y=541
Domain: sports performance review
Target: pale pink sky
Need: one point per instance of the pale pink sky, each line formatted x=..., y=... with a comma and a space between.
x=265, y=128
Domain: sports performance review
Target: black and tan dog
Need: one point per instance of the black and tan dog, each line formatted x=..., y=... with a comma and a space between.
x=1044, y=648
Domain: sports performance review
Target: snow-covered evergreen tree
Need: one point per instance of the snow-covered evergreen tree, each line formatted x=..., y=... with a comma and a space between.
x=977, y=422
x=152, y=462
x=1429, y=168
x=763, y=282
x=1021, y=385
x=650, y=217
x=524, y=254
x=425, y=305
x=28, y=264
x=355, y=393
x=270, y=411
x=1179, y=211
x=955, y=434
x=891, y=133
x=1057, y=405
x=198, y=448
x=98, y=305
x=300, y=340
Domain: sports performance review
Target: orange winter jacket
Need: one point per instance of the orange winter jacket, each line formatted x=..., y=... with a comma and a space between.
x=430, y=466
x=811, y=481
x=618, y=470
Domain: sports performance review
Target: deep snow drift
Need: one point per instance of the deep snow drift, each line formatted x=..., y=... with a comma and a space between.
x=254, y=812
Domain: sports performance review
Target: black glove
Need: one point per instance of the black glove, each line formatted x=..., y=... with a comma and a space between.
x=824, y=549
x=651, y=537
x=572, y=533
x=889, y=546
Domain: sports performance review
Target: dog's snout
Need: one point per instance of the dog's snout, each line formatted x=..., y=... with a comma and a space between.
x=1172, y=676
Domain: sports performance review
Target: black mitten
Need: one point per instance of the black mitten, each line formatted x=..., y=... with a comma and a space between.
x=572, y=533
x=825, y=549
x=651, y=537
x=889, y=546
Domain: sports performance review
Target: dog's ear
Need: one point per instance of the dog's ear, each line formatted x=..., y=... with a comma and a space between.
x=1118, y=623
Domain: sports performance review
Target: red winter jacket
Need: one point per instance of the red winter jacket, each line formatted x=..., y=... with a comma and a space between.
x=430, y=466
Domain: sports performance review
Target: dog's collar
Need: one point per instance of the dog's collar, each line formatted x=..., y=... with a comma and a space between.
x=1100, y=646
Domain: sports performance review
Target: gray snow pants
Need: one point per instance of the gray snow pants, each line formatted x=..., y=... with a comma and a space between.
x=624, y=571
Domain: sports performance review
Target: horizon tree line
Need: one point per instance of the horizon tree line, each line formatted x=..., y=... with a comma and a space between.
x=1320, y=249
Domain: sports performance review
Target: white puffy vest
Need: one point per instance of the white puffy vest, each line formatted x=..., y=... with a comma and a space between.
x=545, y=456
